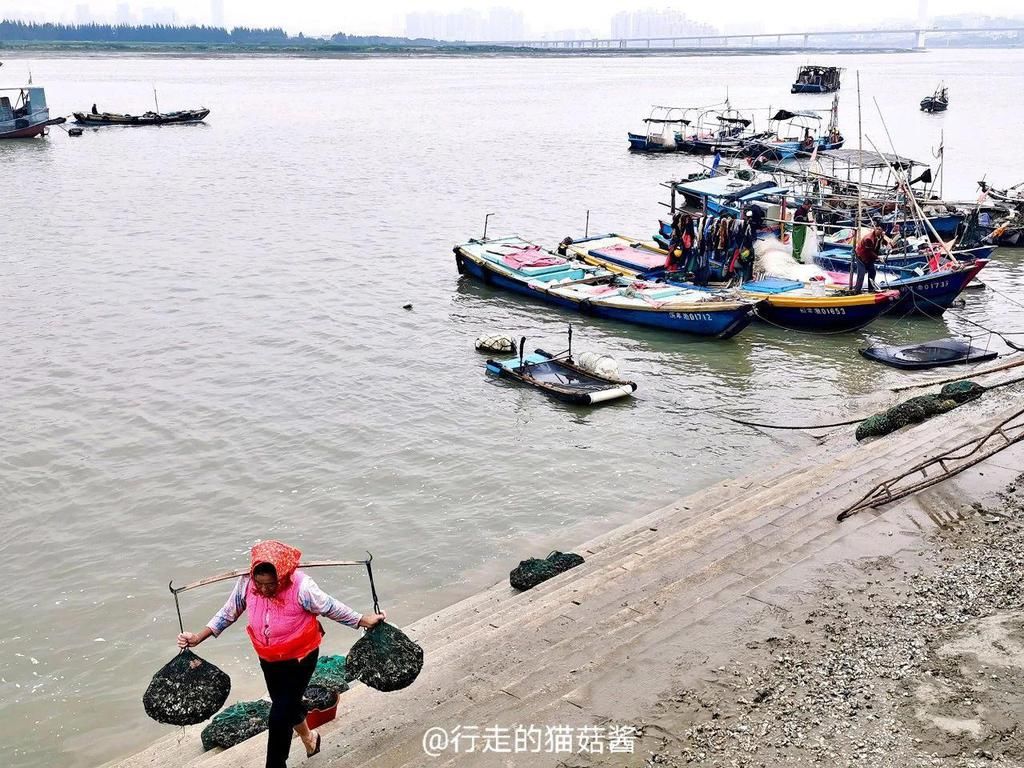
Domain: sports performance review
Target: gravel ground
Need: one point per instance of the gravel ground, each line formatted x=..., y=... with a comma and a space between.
x=906, y=665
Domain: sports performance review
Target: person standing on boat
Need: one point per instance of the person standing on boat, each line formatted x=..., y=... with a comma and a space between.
x=867, y=255
x=801, y=224
x=283, y=604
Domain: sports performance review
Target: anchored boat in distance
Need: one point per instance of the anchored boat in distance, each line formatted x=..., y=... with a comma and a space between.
x=147, y=118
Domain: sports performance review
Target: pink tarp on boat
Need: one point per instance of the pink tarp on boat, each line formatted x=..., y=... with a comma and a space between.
x=642, y=258
x=532, y=256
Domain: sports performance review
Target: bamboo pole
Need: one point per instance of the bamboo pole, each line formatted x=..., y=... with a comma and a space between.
x=245, y=572
x=860, y=182
x=971, y=375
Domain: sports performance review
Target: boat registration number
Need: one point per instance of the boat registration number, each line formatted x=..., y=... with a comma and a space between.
x=822, y=311
x=694, y=316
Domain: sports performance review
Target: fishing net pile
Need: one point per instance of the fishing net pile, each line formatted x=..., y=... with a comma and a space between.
x=187, y=690
x=529, y=573
x=330, y=674
x=235, y=724
x=918, y=409
x=384, y=658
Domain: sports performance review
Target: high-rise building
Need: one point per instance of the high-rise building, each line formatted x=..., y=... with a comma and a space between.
x=504, y=24
x=501, y=23
x=652, y=23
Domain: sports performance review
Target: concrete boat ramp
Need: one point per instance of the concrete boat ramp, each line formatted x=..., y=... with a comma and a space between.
x=657, y=601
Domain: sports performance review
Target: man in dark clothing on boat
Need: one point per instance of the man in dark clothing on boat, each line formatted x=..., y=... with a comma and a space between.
x=94, y=110
x=867, y=255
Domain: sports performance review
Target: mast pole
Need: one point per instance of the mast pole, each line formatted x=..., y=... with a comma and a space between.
x=860, y=181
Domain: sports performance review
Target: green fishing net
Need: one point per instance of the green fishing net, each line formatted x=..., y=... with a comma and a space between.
x=235, y=724
x=385, y=658
x=529, y=573
x=330, y=674
x=917, y=409
x=187, y=690
x=963, y=391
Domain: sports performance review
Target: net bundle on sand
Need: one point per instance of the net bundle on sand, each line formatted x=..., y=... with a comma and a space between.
x=236, y=724
x=187, y=690
x=384, y=658
x=918, y=409
x=529, y=573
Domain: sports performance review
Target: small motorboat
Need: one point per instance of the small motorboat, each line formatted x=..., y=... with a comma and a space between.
x=928, y=354
x=560, y=377
x=147, y=118
x=938, y=101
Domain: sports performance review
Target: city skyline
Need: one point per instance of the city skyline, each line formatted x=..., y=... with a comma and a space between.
x=458, y=19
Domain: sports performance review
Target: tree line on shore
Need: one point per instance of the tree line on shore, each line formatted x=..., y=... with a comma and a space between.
x=24, y=31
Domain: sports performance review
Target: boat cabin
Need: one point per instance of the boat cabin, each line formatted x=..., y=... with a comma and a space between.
x=23, y=112
x=21, y=102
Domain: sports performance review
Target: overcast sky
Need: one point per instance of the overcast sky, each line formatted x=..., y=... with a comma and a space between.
x=387, y=17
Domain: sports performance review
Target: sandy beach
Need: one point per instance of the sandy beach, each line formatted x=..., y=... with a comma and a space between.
x=741, y=626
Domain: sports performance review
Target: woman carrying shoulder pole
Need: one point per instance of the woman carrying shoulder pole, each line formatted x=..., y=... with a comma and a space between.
x=283, y=604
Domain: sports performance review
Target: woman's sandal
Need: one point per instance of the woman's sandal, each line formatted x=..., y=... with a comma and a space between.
x=316, y=751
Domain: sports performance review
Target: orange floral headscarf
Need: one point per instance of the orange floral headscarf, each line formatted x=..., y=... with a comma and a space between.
x=284, y=558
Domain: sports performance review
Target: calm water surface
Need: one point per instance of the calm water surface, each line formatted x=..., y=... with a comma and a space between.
x=204, y=340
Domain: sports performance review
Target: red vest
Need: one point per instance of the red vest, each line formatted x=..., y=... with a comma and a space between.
x=279, y=627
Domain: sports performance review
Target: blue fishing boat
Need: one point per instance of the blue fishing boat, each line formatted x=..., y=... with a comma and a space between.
x=812, y=78
x=790, y=304
x=797, y=133
x=836, y=257
x=727, y=192
x=922, y=292
x=514, y=264
x=664, y=131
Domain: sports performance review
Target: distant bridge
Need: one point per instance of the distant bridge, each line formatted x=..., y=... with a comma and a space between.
x=759, y=40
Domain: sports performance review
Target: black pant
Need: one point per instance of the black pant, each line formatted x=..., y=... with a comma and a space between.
x=286, y=682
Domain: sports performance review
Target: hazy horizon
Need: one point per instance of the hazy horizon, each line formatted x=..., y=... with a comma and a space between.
x=389, y=17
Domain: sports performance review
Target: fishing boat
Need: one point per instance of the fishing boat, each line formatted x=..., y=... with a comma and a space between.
x=24, y=114
x=560, y=377
x=928, y=354
x=812, y=78
x=721, y=131
x=726, y=192
x=514, y=264
x=922, y=292
x=835, y=255
x=664, y=131
x=792, y=304
x=795, y=133
x=184, y=116
x=938, y=101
